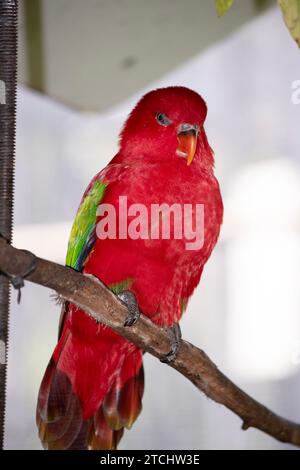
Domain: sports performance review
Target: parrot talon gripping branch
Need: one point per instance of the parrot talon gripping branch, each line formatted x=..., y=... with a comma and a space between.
x=174, y=333
x=129, y=300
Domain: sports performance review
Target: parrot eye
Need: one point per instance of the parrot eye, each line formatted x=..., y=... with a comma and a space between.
x=163, y=120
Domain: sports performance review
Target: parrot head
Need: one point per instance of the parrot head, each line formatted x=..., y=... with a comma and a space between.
x=167, y=124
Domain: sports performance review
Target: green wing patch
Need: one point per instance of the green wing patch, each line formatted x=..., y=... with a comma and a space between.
x=121, y=286
x=83, y=234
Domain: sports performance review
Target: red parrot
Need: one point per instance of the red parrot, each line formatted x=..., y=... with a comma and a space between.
x=93, y=386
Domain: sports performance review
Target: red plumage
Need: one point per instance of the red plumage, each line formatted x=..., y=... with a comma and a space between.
x=93, y=386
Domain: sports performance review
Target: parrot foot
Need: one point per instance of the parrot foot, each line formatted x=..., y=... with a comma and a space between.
x=174, y=333
x=129, y=299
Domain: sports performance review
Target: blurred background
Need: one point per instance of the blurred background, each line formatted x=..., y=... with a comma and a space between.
x=82, y=66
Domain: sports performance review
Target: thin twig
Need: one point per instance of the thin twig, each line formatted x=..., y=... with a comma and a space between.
x=99, y=302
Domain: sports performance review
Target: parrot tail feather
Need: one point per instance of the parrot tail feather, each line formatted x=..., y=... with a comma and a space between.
x=58, y=414
x=61, y=416
x=121, y=406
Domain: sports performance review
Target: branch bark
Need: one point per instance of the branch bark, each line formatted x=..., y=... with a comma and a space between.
x=99, y=302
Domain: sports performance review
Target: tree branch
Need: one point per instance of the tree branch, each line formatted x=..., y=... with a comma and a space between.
x=97, y=300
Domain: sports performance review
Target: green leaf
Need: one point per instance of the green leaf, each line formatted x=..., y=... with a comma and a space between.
x=291, y=14
x=223, y=6
x=260, y=4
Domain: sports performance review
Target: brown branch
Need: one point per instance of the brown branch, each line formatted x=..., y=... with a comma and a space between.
x=193, y=363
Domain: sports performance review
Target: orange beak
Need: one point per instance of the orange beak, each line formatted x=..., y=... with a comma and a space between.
x=187, y=138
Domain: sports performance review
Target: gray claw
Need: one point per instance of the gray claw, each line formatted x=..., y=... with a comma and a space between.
x=174, y=333
x=128, y=298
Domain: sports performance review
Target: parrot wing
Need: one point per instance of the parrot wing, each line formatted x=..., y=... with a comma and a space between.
x=83, y=233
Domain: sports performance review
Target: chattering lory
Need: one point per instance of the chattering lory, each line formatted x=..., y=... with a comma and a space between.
x=93, y=386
